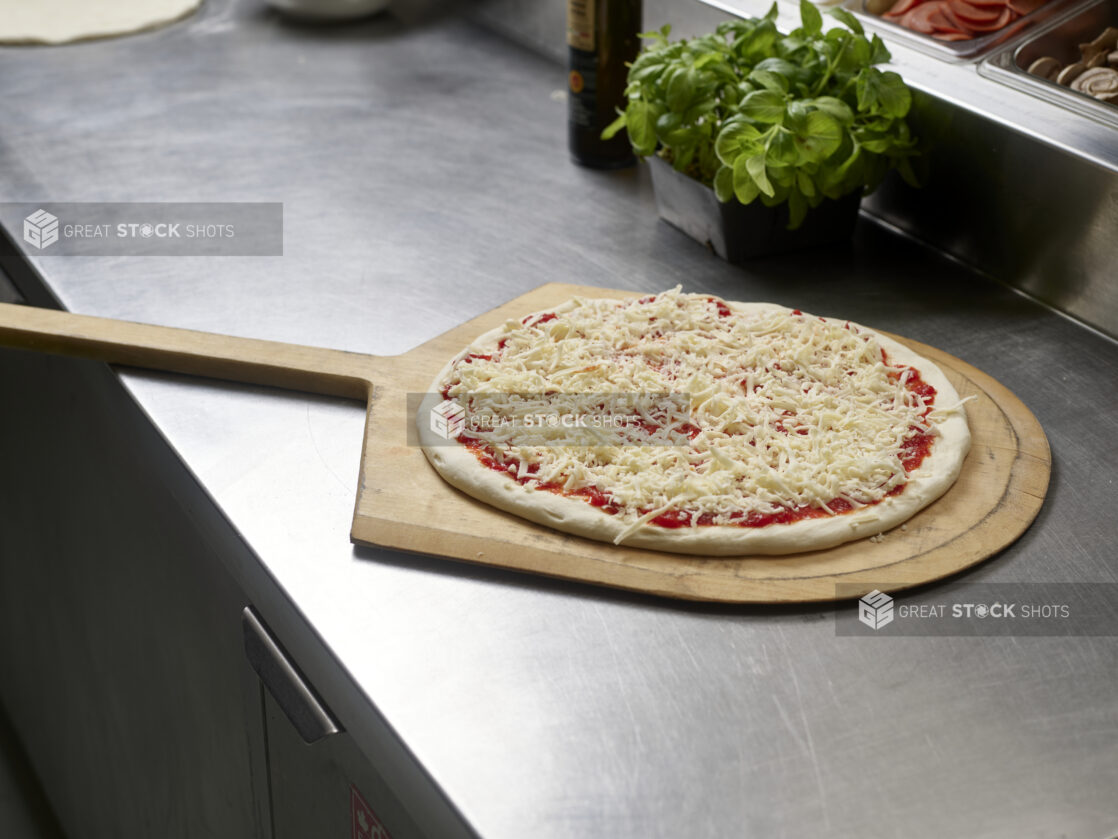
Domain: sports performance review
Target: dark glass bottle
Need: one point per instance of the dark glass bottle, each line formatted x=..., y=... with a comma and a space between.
x=602, y=36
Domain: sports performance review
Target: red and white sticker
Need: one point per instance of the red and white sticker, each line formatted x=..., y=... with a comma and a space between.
x=366, y=825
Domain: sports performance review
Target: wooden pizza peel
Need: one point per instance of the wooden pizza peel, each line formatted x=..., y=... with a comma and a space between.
x=403, y=504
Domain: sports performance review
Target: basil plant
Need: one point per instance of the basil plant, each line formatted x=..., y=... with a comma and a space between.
x=760, y=115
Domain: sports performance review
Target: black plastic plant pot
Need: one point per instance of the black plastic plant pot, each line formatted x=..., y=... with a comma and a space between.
x=737, y=232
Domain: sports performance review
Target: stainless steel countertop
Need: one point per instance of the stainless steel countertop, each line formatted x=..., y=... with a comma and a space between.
x=425, y=179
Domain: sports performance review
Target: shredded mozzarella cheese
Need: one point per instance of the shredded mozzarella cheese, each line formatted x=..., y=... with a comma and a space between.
x=780, y=410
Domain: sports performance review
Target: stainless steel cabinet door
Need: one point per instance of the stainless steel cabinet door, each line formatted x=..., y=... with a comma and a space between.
x=327, y=788
x=120, y=638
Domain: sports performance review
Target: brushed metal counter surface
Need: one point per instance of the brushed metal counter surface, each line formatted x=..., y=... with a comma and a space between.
x=425, y=179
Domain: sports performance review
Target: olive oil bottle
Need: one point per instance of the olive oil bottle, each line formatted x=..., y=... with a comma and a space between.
x=602, y=36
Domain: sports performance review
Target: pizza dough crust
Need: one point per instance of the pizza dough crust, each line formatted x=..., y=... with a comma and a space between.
x=937, y=472
x=64, y=21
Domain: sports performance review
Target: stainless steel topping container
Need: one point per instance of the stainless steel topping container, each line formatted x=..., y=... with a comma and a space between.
x=1060, y=39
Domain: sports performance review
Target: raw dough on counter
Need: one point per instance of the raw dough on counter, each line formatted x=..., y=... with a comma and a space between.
x=63, y=21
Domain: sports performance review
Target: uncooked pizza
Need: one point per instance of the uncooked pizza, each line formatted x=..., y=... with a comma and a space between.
x=686, y=423
x=64, y=21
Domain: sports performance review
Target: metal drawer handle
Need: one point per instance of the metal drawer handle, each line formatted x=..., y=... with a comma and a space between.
x=283, y=680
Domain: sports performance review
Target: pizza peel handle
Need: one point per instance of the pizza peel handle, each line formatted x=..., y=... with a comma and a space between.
x=291, y=366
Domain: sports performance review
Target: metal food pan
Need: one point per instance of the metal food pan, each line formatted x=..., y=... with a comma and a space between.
x=971, y=50
x=1060, y=39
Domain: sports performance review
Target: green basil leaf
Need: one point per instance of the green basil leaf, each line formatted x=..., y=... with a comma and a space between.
x=765, y=106
x=727, y=28
x=724, y=184
x=805, y=183
x=681, y=89
x=660, y=36
x=847, y=19
x=835, y=107
x=699, y=110
x=745, y=188
x=865, y=85
x=834, y=179
x=736, y=120
x=668, y=122
x=782, y=149
x=894, y=96
x=646, y=66
x=855, y=56
x=735, y=139
x=884, y=93
x=781, y=176
x=677, y=139
x=826, y=51
x=703, y=60
x=877, y=145
x=793, y=46
x=782, y=67
x=879, y=54
x=756, y=167
x=640, y=119
x=797, y=112
x=757, y=44
x=610, y=130
x=821, y=136
x=811, y=18
x=770, y=81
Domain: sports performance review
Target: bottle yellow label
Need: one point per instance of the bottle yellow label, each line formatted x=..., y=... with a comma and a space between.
x=580, y=24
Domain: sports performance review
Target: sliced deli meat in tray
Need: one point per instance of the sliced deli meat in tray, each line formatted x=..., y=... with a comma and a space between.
x=955, y=29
